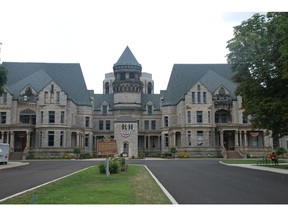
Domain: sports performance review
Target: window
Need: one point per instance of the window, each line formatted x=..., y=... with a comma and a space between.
x=46, y=97
x=106, y=88
x=149, y=88
x=166, y=138
x=150, y=108
x=209, y=117
x=104, y=110
x=199, y=116
x=42, y=117
x=50, y=138
x=61, y=138
x=87, y=121
x=245, y=119
x=146, y=125
x=101, y=125
x=62, y=117
x=189, y=119
x=86, y=140
x=153, y=125
x=199, y=138
x=166, y=123
x=189, y=138
x=4, y=97
x=199, y=97
x=3, y=117
x=108, y=125
x=193, y=97
x=57, y=97
x=204, y=97
x=51, y=116
x=122, y=76
x=131, y=75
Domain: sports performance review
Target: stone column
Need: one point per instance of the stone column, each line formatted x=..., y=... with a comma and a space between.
x=245, y=139
x=12, y=141
x=240, y=138
x=221, y=139
x=28, y=144
x=236, y=138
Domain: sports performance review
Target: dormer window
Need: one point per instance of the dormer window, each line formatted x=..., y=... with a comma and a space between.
x=149, y=109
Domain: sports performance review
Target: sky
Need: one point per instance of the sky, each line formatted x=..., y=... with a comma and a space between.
x=94, y=33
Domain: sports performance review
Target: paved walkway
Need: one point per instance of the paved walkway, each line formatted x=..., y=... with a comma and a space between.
x=258, y=167
x=12, y=164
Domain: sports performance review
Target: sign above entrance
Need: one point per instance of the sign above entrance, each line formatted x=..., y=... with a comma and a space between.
x=125, y=134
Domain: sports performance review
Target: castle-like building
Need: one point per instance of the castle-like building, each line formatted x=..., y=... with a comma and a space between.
x=46, y=110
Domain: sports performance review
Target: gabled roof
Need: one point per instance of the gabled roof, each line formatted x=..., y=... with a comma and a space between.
x=68, y=76
x=154, y=98
x=100, y=98
x=127, y=58
x=185, y=76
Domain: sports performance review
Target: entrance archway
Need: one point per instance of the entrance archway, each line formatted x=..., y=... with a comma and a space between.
x=125, y=149
x=229, y=140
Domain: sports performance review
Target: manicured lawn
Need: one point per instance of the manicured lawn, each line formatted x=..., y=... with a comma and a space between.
x=90, y=187
x=282, y=163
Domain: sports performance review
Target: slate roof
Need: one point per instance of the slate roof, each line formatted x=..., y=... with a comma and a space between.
x=127, y=58
x=100, y=98
x=185, y=76
x=154, y=98
x=68, y=76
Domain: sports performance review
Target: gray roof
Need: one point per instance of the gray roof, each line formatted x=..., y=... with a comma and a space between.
x=185, y=76
x=154, y=98
x=100, y=98
x=127, y=58
x=68, y=76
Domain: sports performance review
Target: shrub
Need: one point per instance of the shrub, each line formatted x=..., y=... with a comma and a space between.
x=183, y=155
x=114, y=166
x=281, y=151
x=102, y=168
x=67, y=156
x=86, y=156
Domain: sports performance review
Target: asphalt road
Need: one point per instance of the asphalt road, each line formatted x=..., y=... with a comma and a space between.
x=188, y=181
x=18, y=179
x=209, y=182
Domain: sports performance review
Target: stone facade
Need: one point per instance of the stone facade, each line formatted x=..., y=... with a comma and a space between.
x=43, y=115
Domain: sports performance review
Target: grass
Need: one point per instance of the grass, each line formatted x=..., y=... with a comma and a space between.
x=90, y=187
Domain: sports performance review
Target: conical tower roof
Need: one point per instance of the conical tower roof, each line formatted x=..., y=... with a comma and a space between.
x=127, y=58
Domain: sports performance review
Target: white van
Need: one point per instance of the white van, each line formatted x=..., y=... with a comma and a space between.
x=4, y=153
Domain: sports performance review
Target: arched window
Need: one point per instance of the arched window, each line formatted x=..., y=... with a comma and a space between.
x=28, y=92
x=106, y=88
x=150, y=88
x=28, y=116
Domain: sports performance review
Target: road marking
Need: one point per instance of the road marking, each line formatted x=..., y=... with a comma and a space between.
x=163, y=188
x=31, y=189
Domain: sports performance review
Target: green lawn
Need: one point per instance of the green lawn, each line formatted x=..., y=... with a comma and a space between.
x=89, y=187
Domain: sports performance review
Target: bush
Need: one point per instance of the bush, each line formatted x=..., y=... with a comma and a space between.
x=86, y=156
x=67, y=156
x=114, y=166
x=183, y=155
x=281, y=151
x=102, y=168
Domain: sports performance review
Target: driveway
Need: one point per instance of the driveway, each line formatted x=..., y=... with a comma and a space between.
x=203, y=181
x=20, y=178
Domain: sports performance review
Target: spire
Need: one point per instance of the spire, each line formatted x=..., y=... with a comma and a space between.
x=127, y=58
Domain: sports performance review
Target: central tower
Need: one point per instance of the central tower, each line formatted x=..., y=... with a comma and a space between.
x=127, y=86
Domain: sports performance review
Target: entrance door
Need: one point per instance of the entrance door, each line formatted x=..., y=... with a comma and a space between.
x=229, y=140
x=126, y=150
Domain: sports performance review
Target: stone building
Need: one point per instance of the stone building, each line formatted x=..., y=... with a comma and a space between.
x=46, y=110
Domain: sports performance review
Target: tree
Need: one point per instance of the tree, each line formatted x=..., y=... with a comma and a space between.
x=3, y=78
x=259, y=58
